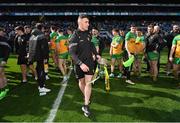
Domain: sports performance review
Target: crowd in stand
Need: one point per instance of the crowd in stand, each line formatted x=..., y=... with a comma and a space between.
x=106, y=24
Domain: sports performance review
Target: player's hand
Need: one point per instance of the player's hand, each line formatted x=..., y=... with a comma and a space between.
x=110, y=53
x=155, y=51
x=27, y=55
x=129, y=55
x=45, y=61
x=84, y=67
x=170, y=59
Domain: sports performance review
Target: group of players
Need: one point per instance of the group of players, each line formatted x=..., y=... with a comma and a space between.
x=147, y=46
x=85, y=48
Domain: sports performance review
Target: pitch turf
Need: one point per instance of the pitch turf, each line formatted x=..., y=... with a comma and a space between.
x=145, y=101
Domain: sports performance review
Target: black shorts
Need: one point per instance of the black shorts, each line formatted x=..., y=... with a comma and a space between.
x=22, y=60
x=81, y=74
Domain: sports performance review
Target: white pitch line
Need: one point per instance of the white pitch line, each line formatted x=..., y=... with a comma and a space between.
x=57, y=102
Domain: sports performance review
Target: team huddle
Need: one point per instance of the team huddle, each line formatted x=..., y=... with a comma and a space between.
x=83, y=49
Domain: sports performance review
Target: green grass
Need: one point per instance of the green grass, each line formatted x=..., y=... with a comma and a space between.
x=145, y=101
x=23, y=102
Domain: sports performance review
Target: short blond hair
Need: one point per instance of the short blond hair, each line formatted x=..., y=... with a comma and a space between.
x=81, y=16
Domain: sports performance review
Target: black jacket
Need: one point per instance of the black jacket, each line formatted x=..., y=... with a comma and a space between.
x=21, y=45
x=81, y=48
x=38, y=46
x=154, y=42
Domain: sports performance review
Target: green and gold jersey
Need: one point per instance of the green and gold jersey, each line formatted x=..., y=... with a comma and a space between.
x=130, y=38
x=118, y=42
x=140, y=44
x=61, y=42
x=53, y=37
x=176, y=42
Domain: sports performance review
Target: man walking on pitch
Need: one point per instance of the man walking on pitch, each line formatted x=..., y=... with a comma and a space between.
x=175, y=56
x=82, y=51
x=38, y=52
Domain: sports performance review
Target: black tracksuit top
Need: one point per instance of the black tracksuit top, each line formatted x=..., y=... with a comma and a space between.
x=81, y=48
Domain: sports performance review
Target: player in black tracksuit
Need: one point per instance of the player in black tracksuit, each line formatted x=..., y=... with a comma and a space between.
x=39, y=53
x=21, y=46
x=27, y=32
x=82, y=50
